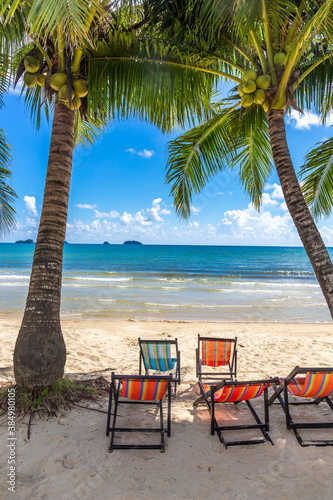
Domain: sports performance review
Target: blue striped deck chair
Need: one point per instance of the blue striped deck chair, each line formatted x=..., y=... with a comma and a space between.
x=156, y=355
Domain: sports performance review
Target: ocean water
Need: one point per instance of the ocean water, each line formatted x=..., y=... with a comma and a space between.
x=154, y=282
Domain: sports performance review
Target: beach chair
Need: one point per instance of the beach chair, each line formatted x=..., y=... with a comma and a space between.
x=303, y=384
x=235, y=392
x=143, y=390
x=215, y=353
x=156, y=355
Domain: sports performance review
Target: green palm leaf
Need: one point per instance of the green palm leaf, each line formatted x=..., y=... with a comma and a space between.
x=7, y=195
x=223, y=142
x=317, y=174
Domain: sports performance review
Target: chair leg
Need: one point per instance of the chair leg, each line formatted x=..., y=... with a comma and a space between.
x=109, y=411
x=169, y=412
x=116, y=396
x=162, y=427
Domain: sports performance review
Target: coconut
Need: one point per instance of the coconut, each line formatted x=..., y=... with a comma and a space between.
x=249, y=86
x=241, y=89
x=63, y=93
x=41, y=80
x=58, y=80
x=31, y=64
x=280, y=59
x=80, y=87
x=75, y=104
x=247, y=100
x=250, y=74
x=263, y=82
x=30, y=79
x=259, y=96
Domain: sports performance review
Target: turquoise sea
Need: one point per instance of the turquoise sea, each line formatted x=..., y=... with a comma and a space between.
x=154, y=282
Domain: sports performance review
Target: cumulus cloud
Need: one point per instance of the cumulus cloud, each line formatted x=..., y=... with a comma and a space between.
x=145, y=153
x=307, y=120
x=30, y=204
x=85, y=206
x=113, y=214
x=195, y=210
x=277, y=191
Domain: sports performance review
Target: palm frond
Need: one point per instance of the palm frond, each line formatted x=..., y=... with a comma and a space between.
x=44, y=18
x=87, y=131
x=317, y=175
x=223, y=142
x=7, y=195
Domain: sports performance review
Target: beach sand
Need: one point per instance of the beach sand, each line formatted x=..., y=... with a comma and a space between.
x=67, y=457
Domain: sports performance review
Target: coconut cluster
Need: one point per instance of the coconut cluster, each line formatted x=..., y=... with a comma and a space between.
x=32, y=75
x=58, y=82
x=252, y=88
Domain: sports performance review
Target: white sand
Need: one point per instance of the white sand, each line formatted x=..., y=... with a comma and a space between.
x=67, y=458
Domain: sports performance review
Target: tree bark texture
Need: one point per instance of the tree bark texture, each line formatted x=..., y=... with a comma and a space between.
x=305, y=225
x=40, y=352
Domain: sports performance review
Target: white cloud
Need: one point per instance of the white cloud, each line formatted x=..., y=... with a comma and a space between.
x=195, y=210
x=85, y=206
x=307, y=120
x=30, y=203
x=267, y=201
x=145, y=153
x=153, y=212
x=113, y=214
x=248, y=224
x=277, y=191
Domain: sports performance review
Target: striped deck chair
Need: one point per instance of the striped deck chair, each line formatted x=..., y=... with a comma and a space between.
x=215, y=353
x=156, y=355
x=137, y=389
x=306, y=386
x=235, y=392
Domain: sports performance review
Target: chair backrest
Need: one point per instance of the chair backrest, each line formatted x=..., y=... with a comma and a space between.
x=157, y=354
x=215, y=352
x=317, y=385
x=143, y=388
x=237, y=393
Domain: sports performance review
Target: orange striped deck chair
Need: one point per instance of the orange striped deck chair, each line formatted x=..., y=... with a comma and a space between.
x=214, y=355
x=306, y=386
x=161, y=356
x=137, y=389
x=236, y=392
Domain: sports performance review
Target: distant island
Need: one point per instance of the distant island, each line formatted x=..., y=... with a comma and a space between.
x=106, y=243
x=24, y=241
x=133, y=242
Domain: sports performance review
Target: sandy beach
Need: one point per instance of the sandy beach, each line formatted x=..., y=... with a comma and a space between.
x=67, y=457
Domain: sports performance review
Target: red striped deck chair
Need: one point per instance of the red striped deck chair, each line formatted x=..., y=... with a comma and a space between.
x=236, y=392
x=306, y=386
x=160, y=356
x=144, y=390
x=217, y=353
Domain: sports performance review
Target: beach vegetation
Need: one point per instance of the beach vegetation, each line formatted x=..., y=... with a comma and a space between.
x=63, y=44
x=283, y=48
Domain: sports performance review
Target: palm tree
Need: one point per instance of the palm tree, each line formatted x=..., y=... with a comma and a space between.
x=280, y=55
x=87, y=63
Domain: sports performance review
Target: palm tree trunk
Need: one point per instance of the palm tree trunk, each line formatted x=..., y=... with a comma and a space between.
x=40, y=352
x=307, y=229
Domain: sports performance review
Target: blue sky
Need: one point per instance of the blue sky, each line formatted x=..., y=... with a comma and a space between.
x=118, y=190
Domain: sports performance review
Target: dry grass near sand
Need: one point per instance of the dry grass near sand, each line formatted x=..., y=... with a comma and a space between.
x=67, y=457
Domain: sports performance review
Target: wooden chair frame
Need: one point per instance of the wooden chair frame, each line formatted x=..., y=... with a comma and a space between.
x=142, y=363
x=208, y=398
x=286, y=403
x=215, y=376
x=114, y=394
